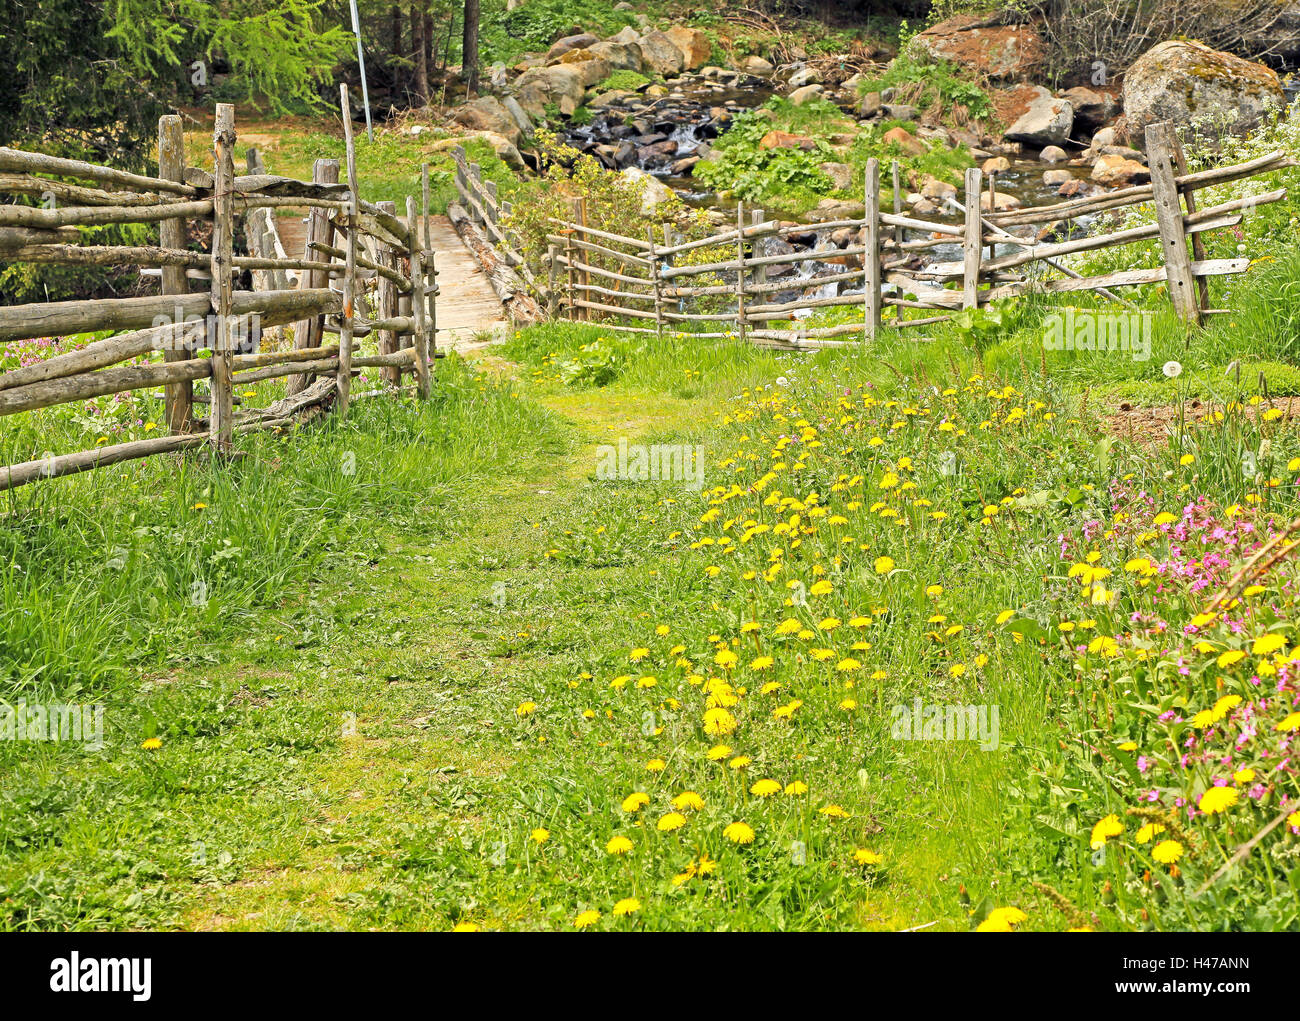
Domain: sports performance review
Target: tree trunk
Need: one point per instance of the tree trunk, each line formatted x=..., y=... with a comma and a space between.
x=421, y=57
x=395, y=19
x=469, y=48
x=429, y=48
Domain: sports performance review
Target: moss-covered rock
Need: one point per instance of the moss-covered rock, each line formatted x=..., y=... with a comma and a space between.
x=1187, y=82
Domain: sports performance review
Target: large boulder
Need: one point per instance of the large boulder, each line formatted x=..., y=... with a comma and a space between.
x=1115, y=169
x=517, y=112
x=841, y=174
x=487, y=113
x=570, y=42
x=805, y=76
x=1002, y=52
x=619, y=56
x=561, y=84
x=653, y=191
x=661, y=54
x=693, y=43
x=905, y=140
x=757, y=66
x=801, y=95
x=1047, y=122
x=829, y=209
x=1093, y=109
x=594, y=69
x=1184, y=82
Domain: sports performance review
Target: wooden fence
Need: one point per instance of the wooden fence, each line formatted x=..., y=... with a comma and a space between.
x=380, y=254
x=597, y=275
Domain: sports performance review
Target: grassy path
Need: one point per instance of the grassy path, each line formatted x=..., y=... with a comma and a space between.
x=359, y=752
x=474, y=616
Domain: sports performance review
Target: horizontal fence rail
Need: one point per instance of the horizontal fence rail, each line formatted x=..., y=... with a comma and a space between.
x=642, y=285
x=381, y=263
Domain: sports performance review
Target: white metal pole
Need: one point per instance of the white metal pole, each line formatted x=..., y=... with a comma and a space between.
x=361, y=62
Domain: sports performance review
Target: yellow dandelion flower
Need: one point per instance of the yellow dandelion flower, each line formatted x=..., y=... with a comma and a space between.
x=672, y=821
x=1266, y=645
x=739, y=833
x=1104, y=830
x=765, y=788
x=586, y=919
x=619, y=845
x=636, y=801
x=151, y=744
x=688, y=799
x=526, y=709
x=540, y=835
x=1218, y=799
x=627, y=906
x=865, y=857
x=1002, y=920
x=718, y=722
x=1167, y=852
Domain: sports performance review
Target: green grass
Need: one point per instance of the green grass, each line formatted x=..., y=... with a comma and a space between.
x=335, y=638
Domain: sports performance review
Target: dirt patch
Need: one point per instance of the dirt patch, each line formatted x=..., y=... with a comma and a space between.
x=1151, y=426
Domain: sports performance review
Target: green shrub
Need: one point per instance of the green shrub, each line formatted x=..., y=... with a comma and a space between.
x=936, y=87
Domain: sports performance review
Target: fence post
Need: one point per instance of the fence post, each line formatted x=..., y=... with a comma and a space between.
x=871, y=295
x=740, y=269
x=552, y=274
x=307, y=332
x=491, y=210
x=476, y=186
x=417, y=298
x=387, y=296
x=221, y=424
x=350, y=264
x=972, y=241
x=760, y=272
x=430, y=271
x=462, y=186
x=898, y=202
x=654, y=280
x=1169, y=217
x=584, y=278
x=993, y=208
x=171, y=234
x=1198, y=246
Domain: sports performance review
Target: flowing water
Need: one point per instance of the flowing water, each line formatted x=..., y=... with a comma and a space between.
x=662, y=135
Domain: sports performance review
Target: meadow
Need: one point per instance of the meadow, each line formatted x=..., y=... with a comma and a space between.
x=468, y=683
x=958, y=632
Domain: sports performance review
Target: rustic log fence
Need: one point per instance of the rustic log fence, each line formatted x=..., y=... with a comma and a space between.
x=378, y=250
x=478, y=218
x=597, y=275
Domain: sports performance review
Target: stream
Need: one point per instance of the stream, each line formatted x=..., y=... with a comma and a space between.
x=665, y=136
